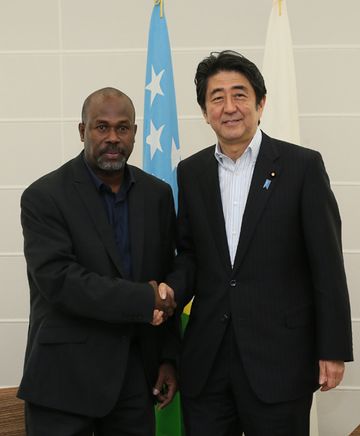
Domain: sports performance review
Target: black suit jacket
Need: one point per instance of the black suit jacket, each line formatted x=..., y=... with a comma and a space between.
x=83, y=314
x=286, y=295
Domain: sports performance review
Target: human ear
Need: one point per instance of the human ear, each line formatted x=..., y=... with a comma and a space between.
x=81, y=128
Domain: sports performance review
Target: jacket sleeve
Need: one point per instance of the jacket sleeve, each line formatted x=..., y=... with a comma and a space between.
x=182, y=276
x=322, y=232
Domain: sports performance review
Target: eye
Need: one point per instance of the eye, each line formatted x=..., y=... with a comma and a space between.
x=101, y=127
x=239, y=95
x=123, y=129
x=217, y=98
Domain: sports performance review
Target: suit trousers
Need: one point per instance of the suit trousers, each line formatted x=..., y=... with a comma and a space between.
x=133, y=414
x=227, y=406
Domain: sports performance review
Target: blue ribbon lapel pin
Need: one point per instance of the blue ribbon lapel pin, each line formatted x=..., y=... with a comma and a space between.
x=267, y=184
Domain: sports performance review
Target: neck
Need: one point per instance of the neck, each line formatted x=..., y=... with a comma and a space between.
x=234, y=151
x=113, y=179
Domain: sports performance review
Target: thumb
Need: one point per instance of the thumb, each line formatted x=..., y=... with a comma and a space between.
x=157, y=388
x=158, y=385
x=322, y=375
x=162, y=289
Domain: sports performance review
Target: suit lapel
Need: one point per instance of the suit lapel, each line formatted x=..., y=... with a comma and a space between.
x=93, y=203
x=209, y=183
x=137, y=223
x=266, y=170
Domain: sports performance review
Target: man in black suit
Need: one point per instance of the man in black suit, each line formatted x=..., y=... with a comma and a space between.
x=259, y=249
x=98, y=235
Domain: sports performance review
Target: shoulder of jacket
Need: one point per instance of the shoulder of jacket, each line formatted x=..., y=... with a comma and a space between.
x=291, y=149
x=55, y=178
x=198, y=156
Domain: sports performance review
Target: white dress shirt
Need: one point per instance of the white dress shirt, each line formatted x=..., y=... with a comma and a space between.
x=235, y=179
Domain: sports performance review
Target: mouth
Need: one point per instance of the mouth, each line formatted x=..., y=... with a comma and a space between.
x=112, y=154
x=231, y=122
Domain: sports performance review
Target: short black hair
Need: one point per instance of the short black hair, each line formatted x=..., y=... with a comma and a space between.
x=227, y=60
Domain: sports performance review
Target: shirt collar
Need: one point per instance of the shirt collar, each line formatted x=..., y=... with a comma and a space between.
x=253, y=148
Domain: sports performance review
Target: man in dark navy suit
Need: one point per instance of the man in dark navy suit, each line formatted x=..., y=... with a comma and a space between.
x=259, y=249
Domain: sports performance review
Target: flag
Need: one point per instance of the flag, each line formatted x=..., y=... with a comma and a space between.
x=161, y=152
x=280, y=117
x=161, y=136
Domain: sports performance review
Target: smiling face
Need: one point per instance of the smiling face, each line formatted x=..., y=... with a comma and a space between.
x=108, y=132
x=231, y=110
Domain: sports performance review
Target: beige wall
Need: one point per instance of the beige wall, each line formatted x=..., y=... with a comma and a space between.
x=53, y=53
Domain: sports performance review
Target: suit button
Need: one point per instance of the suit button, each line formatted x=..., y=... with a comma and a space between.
x=232, y=283
x=225, y=317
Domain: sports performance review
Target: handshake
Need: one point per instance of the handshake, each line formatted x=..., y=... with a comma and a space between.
x=164, y=302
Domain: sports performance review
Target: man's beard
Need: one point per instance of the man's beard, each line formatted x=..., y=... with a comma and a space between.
x=111, y=165
x=106, y=165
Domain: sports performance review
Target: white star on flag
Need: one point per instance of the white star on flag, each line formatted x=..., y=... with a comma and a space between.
x=154, y=139
x=154, y=86
x=175, y=155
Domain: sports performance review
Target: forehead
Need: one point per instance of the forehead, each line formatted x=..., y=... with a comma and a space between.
x=110, y=106
x=224, y=80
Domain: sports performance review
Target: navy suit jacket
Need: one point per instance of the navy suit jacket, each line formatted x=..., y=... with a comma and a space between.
x=83, y=313
x=286, y=295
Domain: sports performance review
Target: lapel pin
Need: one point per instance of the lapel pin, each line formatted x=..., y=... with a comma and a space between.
x=272, y=174
x=267, y=184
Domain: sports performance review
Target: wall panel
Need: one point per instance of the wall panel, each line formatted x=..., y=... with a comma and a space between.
x=11, y=240
x=14, y=295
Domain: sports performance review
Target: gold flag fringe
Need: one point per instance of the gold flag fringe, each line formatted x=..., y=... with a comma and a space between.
x=159, y=2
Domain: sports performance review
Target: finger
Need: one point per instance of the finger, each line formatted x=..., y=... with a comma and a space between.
x=163, y=401
x=155, y=391
x=334, y=379
x=156, y=322
x=158, y=317
x=331, y=381
x=158, y=386
x=162, y=289
x=172, y=388
x=324, y=388
x=322, y=372
x=163, y=397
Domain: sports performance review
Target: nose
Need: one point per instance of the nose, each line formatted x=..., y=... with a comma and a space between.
x=112, y=135
x=229, y=105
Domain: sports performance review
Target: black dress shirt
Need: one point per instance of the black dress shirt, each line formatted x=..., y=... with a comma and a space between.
x=116, y=206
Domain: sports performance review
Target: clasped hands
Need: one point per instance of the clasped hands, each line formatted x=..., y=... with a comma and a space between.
x=164, y=302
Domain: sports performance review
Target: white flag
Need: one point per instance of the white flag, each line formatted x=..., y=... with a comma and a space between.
x=280, y=117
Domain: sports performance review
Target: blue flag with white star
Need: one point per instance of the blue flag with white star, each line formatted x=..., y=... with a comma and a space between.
x=161, y=136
